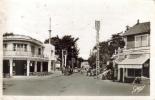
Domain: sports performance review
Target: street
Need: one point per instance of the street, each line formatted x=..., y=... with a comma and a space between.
x=75, y=84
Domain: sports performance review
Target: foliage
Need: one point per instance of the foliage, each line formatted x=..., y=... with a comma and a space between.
x=116, y=42
x=107, y=49
x=68, y=43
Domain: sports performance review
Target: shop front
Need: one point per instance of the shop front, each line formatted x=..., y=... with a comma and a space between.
x=130, y=68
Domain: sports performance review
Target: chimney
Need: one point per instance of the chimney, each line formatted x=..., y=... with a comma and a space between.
x=127, y=28
x=138, y=21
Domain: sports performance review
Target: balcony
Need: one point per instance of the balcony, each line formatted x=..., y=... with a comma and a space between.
x=125, y=51
x=137, y=50
x=11, y=53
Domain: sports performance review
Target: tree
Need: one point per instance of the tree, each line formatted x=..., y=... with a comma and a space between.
x=116, y=42
x=68, y=43
x=92, y=60
x=107, y=49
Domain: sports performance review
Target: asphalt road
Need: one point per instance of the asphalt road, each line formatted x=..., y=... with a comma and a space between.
x=75, y=84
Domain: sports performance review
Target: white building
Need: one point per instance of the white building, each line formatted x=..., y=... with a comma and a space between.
x=134, y=60
x=23, y=55
x=49, y=52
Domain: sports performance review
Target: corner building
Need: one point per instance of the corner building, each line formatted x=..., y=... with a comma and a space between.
x=23, y=55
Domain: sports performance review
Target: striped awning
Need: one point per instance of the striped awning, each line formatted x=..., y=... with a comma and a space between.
x=134, y=61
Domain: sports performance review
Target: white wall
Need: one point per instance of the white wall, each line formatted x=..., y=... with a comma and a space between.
x=47, y=51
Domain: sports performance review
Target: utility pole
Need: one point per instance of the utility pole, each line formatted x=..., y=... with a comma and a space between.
x=64, y=61
x=97, y=27
x=65, y=54
x=49, y=62
x=62, y=58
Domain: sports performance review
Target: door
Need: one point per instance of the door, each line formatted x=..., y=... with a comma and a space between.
x=19, y=67
x=121, y=74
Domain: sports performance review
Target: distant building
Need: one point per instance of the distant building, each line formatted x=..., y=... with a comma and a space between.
x=85, y=65
x=23, y=55
x=134, y=60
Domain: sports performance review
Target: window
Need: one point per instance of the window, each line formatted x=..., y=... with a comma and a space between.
x=14, y=47
x=144, y=40
x=134, y=72
x=51, y=52
x=130, y=42
x=25, y=47
x=137, y=72
x=130, y=72
x=32, y=49
x=5, y=46
x=138, y=41
x=141, y=40
x=39, y=51
x=19, y=47
x=149, y=39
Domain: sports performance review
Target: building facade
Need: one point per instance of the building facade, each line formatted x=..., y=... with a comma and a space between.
x=23, y=55
x=134, y=59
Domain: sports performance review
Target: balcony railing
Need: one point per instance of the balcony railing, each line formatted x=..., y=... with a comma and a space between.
x=20, y=53
x=137, y=49
x=132, y=50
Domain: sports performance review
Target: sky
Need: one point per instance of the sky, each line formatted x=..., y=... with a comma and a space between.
x=75, y=17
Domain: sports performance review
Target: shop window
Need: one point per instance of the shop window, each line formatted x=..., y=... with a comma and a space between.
x=130, y=72
x=137, y=72
x=134, y=72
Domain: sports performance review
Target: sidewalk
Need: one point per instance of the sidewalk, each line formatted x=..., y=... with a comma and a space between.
x=54, y=74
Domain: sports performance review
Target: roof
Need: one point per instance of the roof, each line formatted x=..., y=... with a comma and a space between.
x=138, y=29
x=21, y=38
x=138, y=59
x=118, y=60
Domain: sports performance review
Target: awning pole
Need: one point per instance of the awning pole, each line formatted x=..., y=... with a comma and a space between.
x=142, y=71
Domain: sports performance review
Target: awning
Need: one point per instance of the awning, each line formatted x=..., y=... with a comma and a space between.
x=130, y=66
x=134, y=61
x=119, y=59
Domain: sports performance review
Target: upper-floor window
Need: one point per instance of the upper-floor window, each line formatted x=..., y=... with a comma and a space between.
x=51, y=52
x=14, y=47
x=142, y=40
x=19, y=47
x=39, y=51
x=25, y=47
x=5, y=45
x=33, y=49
